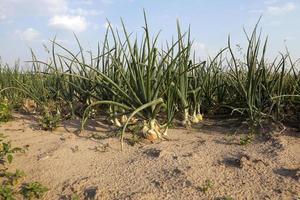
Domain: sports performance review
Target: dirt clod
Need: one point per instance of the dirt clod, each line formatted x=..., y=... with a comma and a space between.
x=244, y=162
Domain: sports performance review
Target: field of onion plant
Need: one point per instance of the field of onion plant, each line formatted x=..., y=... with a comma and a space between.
x=144, y=88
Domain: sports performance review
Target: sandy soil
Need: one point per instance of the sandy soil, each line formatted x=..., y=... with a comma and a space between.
x=180, y=168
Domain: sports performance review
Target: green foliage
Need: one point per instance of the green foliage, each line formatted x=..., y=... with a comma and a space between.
x=208, y=184
x=138, y=76
x=246, y=139
x=75, y=197
x=7, y=151
x=49, y=122
x=33, y=190
x=5, y=111
x=10, y=180
x=7, y=192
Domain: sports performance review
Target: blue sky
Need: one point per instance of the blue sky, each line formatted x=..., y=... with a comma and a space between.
x=28, y=24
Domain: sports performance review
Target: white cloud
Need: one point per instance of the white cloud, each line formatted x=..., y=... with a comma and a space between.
x=273, y=8
x=12, y=8
x=84, y=12
x=55, y=6
x=28, y=34
x=68, y=22
x=281, y=9
x=84, y=2
x=2, y=16
x=269, y=2
x=3, y=10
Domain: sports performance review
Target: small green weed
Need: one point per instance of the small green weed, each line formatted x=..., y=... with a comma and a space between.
x=75, y=197
x=7, y=192
x=7, y=151
x=5, y=111
x=246, y=139
x=12, y=178
x=49, y=122
x=208, y=184
x=9, y=180
x=33, y=190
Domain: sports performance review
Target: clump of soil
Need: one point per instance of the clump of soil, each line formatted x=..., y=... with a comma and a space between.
x=177, y=168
